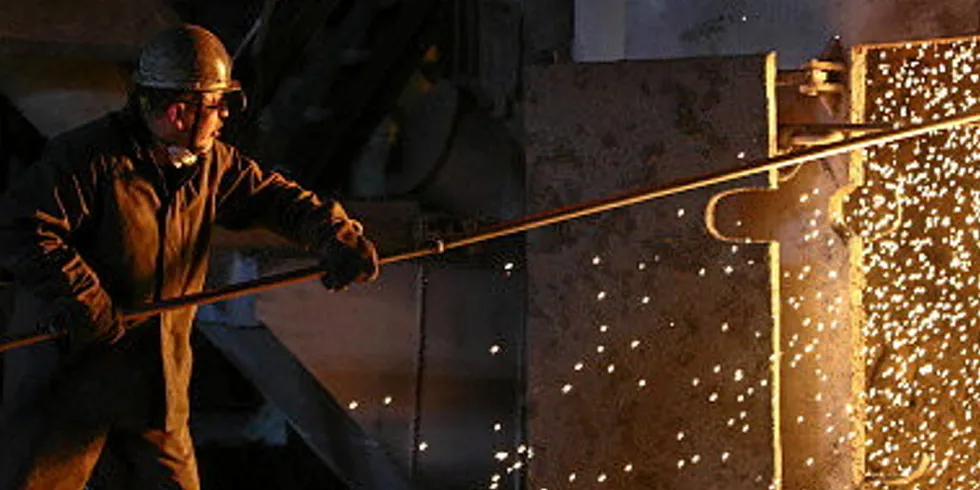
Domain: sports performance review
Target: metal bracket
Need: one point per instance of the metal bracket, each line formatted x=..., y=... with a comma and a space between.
x=820, y=77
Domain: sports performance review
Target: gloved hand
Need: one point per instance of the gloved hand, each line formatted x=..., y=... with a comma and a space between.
x=85, y=324
x=347, y=256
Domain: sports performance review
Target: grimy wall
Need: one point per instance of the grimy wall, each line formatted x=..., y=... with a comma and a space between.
x=650, y=342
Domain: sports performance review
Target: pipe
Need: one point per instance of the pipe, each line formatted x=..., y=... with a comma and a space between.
x=540, y=220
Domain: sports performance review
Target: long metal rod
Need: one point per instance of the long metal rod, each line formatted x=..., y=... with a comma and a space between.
x=543, y=219
x=34, y=339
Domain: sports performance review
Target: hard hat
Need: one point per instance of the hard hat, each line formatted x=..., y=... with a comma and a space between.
x=187, y=57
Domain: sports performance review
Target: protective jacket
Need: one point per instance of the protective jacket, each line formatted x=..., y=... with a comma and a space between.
x=99, y=221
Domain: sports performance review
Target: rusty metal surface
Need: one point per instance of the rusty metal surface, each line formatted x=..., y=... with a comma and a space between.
x=649, y=341
x=916, y=213
x=817, y=374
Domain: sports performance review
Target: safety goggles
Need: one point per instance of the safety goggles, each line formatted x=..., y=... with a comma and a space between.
x=235, y=102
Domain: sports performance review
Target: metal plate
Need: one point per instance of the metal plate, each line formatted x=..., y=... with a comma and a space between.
x=649, y=340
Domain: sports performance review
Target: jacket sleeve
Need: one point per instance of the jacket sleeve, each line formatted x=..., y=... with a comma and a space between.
x=39, y=213
x=249, y=196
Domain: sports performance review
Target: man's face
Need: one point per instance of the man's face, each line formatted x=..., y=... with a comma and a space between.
x=212, y=110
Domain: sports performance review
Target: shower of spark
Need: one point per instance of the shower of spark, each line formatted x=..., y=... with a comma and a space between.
x=920, y=263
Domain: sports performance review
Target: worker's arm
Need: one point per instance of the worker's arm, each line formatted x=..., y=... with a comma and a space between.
x=249, y=195
x=38, y=215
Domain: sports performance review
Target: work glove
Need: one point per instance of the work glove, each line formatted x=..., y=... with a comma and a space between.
x=346, y=256
x=84, y=324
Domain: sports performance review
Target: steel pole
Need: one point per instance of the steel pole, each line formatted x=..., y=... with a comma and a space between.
x=543, y=219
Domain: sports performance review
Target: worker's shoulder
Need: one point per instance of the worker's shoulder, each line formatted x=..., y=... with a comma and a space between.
x=88, y=132
x=105, y=139
x=103, y=134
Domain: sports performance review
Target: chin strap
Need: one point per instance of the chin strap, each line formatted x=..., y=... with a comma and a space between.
x=195, y=128
x=181, y=156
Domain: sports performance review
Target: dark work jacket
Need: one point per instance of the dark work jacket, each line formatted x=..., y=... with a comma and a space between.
x=96, y=220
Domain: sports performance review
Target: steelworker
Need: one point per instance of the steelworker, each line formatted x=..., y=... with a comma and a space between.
x=117, y=213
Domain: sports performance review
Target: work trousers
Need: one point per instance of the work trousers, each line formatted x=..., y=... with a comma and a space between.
x=54, y=441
